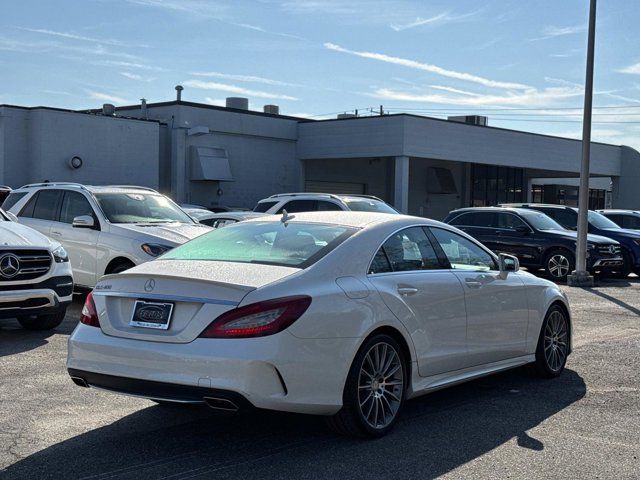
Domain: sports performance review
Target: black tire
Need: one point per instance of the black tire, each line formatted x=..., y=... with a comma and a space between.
x=543, y=366
x=43, y=322
x=121, y=267
x=351, y=420
x=559, y=263
x=636, y=271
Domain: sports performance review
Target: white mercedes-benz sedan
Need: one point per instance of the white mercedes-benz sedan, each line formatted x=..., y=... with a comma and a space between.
x=342, y=314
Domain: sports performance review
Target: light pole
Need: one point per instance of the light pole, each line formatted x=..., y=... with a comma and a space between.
x=580, y=277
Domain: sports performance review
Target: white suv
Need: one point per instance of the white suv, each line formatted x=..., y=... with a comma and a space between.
x=311, y=202
x=105, y=229
x=36, y=284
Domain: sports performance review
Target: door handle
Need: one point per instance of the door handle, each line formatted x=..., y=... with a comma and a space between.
x=405, y=291
x=473, y=283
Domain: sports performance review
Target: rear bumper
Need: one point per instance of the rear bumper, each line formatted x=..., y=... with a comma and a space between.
x=278, y=372
x=168, y=392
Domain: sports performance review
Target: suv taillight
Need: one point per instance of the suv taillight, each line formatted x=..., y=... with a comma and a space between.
x=258, y=319
x=89, y=315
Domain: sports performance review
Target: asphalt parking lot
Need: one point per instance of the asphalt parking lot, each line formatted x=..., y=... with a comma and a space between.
x=585, y=424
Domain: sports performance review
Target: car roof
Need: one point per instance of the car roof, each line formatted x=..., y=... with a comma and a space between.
x=349, y=218
x=88, y=188
x=534, y=205
x=618, y=210
x=521, y=211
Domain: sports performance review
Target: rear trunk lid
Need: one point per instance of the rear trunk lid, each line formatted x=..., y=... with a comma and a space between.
x=198, y=292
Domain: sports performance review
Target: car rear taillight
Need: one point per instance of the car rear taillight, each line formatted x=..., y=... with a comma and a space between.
x=258, y=319
x=89, y=315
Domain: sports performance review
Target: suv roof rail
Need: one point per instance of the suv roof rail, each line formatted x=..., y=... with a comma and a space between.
x=137, y=187
x=54, y=184
x=329, y=195
x=528, y=204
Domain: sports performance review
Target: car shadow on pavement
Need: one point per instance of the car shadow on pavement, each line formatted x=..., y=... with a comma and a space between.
x=436, y=434
x=614, y=300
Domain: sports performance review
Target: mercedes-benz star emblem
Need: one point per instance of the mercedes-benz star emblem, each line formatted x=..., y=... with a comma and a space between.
x=149, y=285
x=9, y=265
x=612, y=249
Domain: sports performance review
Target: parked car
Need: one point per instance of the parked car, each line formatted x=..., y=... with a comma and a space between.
x=598, y=225
x=217, y=220
x=311, y=202
x=105, y=229
x=4, y=192
x=36, y=284
x=629, y=219
x=538, y=241
x=307, y=313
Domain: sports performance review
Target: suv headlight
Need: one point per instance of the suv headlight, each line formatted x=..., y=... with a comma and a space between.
x=60, y=255
x=155, y=249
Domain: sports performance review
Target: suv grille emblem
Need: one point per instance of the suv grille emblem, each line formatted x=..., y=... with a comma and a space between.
x=9, y=265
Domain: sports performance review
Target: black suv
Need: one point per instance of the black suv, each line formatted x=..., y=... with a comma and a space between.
x=537, y=240
x=598, y=225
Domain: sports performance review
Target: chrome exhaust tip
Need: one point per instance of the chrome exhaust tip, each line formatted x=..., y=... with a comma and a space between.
x=221, y=404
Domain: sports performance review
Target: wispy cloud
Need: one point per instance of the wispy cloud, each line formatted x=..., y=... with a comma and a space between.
x=135, y=76
x=223, y=87
x=419, y=22
x=529, y=97
x=468, y=77
x=107, y=97
x=121, y=64
x=633, y=69
x=73, y=36
x=440, y=19
x=10, y=44
x=553, y=31
x=245, y=78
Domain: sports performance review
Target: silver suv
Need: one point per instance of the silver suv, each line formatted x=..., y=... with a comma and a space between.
x=311, y=202
x=105, y=229
x=36, y=284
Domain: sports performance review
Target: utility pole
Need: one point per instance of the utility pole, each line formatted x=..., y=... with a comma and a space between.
x=580, y=277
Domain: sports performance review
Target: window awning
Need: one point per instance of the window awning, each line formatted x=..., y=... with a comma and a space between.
x=210, y=163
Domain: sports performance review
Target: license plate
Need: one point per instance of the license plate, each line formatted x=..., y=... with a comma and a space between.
x=151, y=315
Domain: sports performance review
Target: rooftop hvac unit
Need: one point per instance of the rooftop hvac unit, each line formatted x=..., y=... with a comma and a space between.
x=470, y=119
x=239, y=103
x=272, y=109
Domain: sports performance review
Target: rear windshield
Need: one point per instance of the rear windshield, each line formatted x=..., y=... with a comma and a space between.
x=368, y=205
x=262, y=207
x=268, y=243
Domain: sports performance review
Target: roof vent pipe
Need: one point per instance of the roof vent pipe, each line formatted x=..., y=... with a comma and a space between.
x=179, y=89
x=143, y=108
x=272, y=109
x=239, y=103
x=108, y=109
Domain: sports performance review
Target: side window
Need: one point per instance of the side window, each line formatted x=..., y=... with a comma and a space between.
x=299, y=206
x=12, y=199
x=222, y=222
x=619, y=220
x=410, y=249
x=27, y=210
x=380, y=263
x=566, y=218
x=327, y=206
x=476, y=219
x=46, y=207
x=74, y=204
x=463, y=254
x=509, y=221
x=628, y=221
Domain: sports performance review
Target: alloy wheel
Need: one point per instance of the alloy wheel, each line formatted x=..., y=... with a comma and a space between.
x=555, y=341
x=558, y=266
x=380, y=385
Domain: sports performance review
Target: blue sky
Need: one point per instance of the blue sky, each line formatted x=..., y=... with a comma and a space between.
x=519, y=62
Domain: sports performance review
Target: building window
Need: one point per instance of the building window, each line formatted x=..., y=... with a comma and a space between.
x=491, y=185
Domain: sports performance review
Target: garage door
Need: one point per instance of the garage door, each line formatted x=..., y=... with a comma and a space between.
x=339, y=188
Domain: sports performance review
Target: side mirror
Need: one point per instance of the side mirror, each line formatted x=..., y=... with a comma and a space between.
x=508, y=263
x=84, y=221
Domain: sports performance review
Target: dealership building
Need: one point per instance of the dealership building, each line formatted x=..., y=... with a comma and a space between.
x=232, y=156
